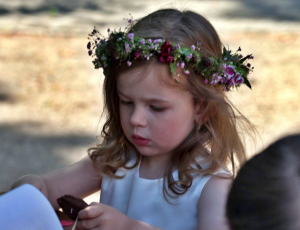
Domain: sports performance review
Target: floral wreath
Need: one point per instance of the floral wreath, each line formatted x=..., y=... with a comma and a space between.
x=230, y=70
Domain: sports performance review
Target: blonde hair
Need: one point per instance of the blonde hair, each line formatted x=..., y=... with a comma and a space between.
x=217, y=140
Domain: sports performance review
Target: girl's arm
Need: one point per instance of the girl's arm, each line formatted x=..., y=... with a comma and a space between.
x=79, y=179
x=211, y=206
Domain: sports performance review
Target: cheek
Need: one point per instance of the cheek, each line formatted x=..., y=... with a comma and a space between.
x=174, y=130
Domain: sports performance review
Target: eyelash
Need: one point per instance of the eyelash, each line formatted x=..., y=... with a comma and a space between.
x=154, y=108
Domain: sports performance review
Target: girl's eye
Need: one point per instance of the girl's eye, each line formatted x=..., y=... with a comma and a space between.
x=157, y=109
x=125, y=102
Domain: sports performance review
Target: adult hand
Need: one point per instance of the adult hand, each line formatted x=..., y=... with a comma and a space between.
x=99, y=216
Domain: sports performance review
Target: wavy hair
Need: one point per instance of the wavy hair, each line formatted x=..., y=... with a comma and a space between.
x=217, y=141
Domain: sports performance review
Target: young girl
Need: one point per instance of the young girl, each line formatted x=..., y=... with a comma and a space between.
x=170, y=131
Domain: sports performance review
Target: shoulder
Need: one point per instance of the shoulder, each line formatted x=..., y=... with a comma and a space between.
x=212, y=202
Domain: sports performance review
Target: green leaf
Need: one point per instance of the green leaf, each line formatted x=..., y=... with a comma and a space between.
x=172, y=67
x=244, y=59
x=247, y=82
x=186, y=53
x=224, y=51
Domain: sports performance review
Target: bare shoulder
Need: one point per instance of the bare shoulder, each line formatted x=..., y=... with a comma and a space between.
x=212, y=202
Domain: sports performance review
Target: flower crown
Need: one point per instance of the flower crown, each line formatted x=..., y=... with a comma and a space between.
x=230, y=70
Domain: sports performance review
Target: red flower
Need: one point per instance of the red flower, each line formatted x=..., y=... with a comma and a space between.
x=165, y=54
x=137, y=53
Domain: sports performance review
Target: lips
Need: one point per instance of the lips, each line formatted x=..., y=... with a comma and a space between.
x=138, y=140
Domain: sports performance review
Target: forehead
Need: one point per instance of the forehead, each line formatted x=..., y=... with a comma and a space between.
x=154, y=73
x=152, y=84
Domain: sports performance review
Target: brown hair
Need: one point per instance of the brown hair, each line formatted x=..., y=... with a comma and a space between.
x=217, y=140
x=266, y=192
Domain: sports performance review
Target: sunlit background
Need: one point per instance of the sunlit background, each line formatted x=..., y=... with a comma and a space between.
x=50, y=95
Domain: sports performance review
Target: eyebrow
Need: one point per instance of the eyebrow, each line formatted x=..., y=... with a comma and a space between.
x=153, y=99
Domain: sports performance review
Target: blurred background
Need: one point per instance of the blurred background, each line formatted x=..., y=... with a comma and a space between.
x=50, y=94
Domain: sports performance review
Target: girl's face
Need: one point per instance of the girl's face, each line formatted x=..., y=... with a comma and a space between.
x=155, y=117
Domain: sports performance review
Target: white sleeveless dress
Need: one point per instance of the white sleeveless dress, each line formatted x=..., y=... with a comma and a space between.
x=142, y=199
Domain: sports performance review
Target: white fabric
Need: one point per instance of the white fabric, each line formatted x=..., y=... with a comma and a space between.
x=143, y=200
x=26, y=208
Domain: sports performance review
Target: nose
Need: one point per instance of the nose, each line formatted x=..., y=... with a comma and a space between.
x=138, y=117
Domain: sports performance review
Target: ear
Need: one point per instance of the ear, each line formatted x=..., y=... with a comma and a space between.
x=202, y=115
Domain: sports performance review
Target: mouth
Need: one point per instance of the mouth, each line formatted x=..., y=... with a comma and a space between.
x=138, y=140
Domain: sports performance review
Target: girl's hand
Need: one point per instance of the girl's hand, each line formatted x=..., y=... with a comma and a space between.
x=102, y=217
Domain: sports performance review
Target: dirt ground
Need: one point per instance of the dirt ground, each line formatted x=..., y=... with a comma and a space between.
x=50, y=95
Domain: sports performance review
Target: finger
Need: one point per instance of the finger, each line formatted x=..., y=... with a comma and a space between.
x=88, y=224
x=90, y=212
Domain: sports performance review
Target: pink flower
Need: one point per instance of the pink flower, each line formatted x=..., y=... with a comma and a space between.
x=205, y=81
x=143, y=42
x=149, y=40
x=193, y=47
x=186, y=71
x=182, y=65
x=178, y=46
x=190, y=56
x=128, y=63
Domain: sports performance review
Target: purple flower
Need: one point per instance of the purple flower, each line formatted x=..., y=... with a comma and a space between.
x=89, y=45
x=238, y=79
x=149, y=40
x=205, y=81
x=129, y=21
x=130, y=36
x=128, y=63
x=239, y=49
x=143, y=42
x=157, y=41
x=177, y=64
x=119, y=39
x=186, y=71
x=251, y=57
x=220, y=79
x=229, y=82
x=248, y=64
x=190, y=56
x=152, y=47
x=150, y=54
x=193, y=47
x=229, y=70
x=127, y=48
x=182, y=64
x=90, y=52
x=178, y=46
x=108, y=30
